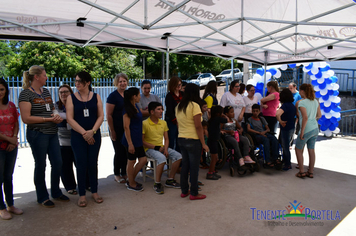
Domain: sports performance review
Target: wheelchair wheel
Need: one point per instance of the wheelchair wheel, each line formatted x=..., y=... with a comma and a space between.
x=241, y=171
x=221, y=154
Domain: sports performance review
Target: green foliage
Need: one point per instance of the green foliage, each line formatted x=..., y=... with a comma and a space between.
x=6, y=53
x=64, y=60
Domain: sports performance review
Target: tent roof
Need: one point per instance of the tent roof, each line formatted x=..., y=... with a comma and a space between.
x=269, y=31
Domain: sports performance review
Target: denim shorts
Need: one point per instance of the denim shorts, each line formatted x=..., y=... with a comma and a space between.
x=309, y=139
x=160, y=158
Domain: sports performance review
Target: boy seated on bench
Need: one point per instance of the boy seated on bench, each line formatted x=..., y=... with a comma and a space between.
x=153, y=131
x=259, y=127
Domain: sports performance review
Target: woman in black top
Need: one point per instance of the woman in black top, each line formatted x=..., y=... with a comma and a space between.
x=174, y=96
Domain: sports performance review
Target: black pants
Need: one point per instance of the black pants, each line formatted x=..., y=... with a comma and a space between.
x=120, y=157
x=272, y=122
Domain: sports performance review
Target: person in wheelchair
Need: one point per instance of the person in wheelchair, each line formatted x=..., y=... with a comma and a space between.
x=258, y=126
x=230, y=129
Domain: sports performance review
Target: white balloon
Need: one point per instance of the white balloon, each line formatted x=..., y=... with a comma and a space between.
x=325, y=74
x=259, y=96
x=322, y=112
x=257, y=77
x=268, y=75
x=321, y=80
x=327, y=103
x=336, y=131
x=316, y=64
x=312, y=77
x=316, y=88
x=329, y=86
x=337, y=100
x=331, y=98
x=331, y=73
x=337, y=114
x=321, y=100
x=252, y=82
x=328, y=115
x=323, y=64
x=305, y=69
x=278, y=74
x=336, y=87
x=245, y=93
x=323, y=92
x=284, y=67
x=328, y=133
x=315, y=70
x=298, y=64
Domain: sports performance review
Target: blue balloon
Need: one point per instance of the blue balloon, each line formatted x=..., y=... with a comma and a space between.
x=323, y=128
x=273, y=71
x=328, y=81
x=310, y=73
x=318, y=95
x=336, y=92
x=333, y=120
x=337, y=109
x=326, y=97
x=338, y=119
x=334, y=79
x=314, y=83
x=323, y=118
x=333, y=106
x=321, y=104
x=322, y=86
x=326, y=68
x=327, y=109
x=327, y=123
x=319, y=74
x=260, y=71
x=292, y=65
x=330, y=92
x=309, y=66
x=332, y=127
x=259, y=85
x=320, y=122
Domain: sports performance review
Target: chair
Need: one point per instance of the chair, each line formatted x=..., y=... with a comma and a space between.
x=153, y=168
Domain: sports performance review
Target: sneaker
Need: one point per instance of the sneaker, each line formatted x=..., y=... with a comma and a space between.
x=248, y=160
x=241, y=162
x=200, y=183
x=5, y=215
x=286, y=168
x=172, y=183
x=63, y=198
x=183, y=195
x=137, y=183
x=48, y=203
x=215, y=173
x=197, y=197
x=211, y=176
x=158, y=188
x=136, y=189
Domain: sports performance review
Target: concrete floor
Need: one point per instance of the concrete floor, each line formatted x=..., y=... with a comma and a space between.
x=225, y=211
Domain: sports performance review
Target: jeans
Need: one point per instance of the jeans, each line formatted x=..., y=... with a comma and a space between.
x=191, y=152
x=67, y=174
x=120, y=157
x=285, y=141
x=7, y=164
x=173, y=136
x=160, y=158
x=86, y=157
x=42, y=144
x=269, y=143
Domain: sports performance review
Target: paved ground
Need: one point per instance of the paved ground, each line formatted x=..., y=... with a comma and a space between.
x=225, y=211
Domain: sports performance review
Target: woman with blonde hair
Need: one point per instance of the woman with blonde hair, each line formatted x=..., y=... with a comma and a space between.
x=37, y=111
x=308, y=112
x=270, y=104
x=114, y=116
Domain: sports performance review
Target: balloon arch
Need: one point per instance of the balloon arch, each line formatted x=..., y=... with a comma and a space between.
x=325, y=86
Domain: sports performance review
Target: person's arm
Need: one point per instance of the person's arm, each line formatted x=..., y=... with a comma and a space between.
x=99, y=120
x=147, y=144
x=166, y=143
x=25, y=109
x=268, y=98
x=127, y=122
x=296, y=109
x=318, y=113
x=200, y=131
x=250, y=130
x=279, y=113
x=70, y=116
x=223, y=101
x=13, y=141
x=303, y=111
x=109, y=112
x=170, y=106
x=241, y=116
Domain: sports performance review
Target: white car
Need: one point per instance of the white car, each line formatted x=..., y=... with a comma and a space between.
x=225, y=76
x=201, y=79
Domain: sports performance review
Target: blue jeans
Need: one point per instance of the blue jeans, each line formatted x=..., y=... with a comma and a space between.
x=285, y=141
x=67, y=174
x=86, y=157
x=7, y=164
x=270, y=143
x=41, y=145
x=191, y=152
x=173, y=136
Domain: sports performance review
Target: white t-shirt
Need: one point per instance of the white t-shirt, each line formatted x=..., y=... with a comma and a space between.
x=237, y=102
x=249, y=103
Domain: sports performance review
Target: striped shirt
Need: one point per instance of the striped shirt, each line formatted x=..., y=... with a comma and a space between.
x=38, y=108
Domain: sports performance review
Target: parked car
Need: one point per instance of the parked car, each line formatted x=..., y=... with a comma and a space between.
x=201, y=79
x=225, y=76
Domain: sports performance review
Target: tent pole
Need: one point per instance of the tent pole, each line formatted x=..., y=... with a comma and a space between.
x=167, y=62
x=265, y=76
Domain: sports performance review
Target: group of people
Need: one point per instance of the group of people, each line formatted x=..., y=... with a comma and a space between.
x=68, y=131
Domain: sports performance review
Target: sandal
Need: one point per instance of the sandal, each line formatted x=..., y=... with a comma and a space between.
x=82, y=203
x=300, y=175
x=98, y=200
x=309, y=175
x=269, y=165
x=72, y=191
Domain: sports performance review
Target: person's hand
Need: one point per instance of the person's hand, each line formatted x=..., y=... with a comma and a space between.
x=241, y=130
x=223, y=131
x=113, y=135
x=88, y=134
x=224, y=116
x=12, y=140
x=10, y=147
x=165, y=152
x=91, y=141
x=205, y=147
x=56, y=118
x=131, y=149
x=283, y=123
x=264, y=106
x=240, y=118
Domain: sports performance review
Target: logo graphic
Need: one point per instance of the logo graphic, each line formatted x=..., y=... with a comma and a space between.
x=52, y=28
x=348, y=31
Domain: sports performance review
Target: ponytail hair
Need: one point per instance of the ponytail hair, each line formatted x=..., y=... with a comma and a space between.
x=29, y=75
x=128, y=95
x=308, y=90
x=216, y=111
x=274, y=85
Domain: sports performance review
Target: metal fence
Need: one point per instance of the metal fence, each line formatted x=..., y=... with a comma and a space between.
x=103, y=87
x=347, y=124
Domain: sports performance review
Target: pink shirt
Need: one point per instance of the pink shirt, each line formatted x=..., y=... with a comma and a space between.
x=8, y=119
x=272, y=106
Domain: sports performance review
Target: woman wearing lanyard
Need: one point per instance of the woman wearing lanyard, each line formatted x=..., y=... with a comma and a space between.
x=85, y=115
x=234, y=99
x=37, y=111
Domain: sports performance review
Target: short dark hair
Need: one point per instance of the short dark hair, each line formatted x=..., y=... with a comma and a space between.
x=153, y=105
x=145, y=82
x=232, y=85
x=5, y=100
x=227, y=109
x=256, y=106
x=85, y=77
x=249, y=86
x=286, y=96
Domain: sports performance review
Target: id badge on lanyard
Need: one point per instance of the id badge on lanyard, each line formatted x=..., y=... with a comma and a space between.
x=48, y=108
x=86, y=112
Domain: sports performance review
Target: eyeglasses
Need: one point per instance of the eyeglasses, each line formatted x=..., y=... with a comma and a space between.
x=179, y=85
x=251, y=90
x=64, y=92
x=237, y=86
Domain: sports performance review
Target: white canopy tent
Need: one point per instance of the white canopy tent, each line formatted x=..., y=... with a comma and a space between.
x=265, y=32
